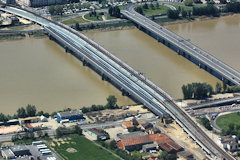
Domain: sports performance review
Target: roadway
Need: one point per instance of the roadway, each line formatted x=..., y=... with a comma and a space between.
x=120, y=73
x=202, y=56
x=214, y=103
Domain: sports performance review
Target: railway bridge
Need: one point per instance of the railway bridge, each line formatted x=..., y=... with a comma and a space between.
x=126, y=78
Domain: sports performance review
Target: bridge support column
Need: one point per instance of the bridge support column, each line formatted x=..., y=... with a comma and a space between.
x=85, y=63
x=199, y=65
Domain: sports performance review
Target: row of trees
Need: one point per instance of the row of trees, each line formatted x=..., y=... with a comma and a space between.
x=61, y=131
x=28, y=111
x=197, y=90
x=114, y=11
x=233, y=7
x=111, y=104
x=210, y=9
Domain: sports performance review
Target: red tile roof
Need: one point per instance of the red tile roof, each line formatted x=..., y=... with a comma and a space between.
x=128, y=124
x=162, y=140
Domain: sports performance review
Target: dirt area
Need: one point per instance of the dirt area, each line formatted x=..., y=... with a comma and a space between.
x=5, y=144
x=177, y=134
x=24, y=21
x=10, y=129
x=52, y=124
x=138, y=108
x=71, y=150
x=110, y=115
x=114, y=131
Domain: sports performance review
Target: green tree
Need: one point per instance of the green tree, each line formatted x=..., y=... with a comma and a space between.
x=166, y=156
x=78, y=27
x=152, y=6
x=188, y=2
x=3, y=118
x=157, y=6
x=173, y=14
x=218, y=87
x=139, y=10
x=184, y=13
x=145, y=6
x=51, y=10
x=111, y=102
x=224, y=86
x=21, y=113
x=78, y=130
x=113, y=144
x=31, y=110
x=59, y=9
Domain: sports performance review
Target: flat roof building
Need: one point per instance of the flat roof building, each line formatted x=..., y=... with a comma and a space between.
x=71, y=115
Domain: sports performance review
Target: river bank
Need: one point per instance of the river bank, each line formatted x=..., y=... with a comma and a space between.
x=162, y=21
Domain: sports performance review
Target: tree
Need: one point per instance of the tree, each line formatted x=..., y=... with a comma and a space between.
x=166, y=156
x=59, y=9
x=111, y=102
x=224, y=86
x=21, y=113
x=218, y=87
x=184, y=13
x=78, y=27
x=78, y=130
x=152, y=6
x=157, y=6
x=139, y=10
x=51, y=10
x=30, y=110
x=3, y=118
x=188, y=2
x=145, y=6
x=113, y=144
x=173, y=14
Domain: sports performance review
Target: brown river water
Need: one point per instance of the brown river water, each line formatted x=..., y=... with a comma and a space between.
x=39, y=72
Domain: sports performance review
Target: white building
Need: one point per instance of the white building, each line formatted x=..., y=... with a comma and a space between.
x=229, y=143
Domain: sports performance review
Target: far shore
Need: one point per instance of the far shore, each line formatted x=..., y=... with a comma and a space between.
x=12, y=37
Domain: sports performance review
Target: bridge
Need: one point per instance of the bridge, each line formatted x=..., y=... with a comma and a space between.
x=225, y=101
x=123, y=76
x=183, y=47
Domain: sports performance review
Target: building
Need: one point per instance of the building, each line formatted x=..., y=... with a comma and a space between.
x=149, y=147
x=15, y=151
x=152, y=131
x=40, y=3
x=162, y=140
x=29, y=120
x=97, y=134
x=229, y=143
x=70, y=115
x=131, y=135
x=127, y=124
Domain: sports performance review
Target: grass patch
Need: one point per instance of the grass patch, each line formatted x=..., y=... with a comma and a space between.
x=185, y=8
x=85, y=150
x=160, y=10
x=161, y=20
x=74, y=20
x=224, y=121
x=98, y=17
x=57, y=17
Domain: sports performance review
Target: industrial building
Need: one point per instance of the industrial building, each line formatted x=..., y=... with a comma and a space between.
x=69, y=115
x=39, y=3
x=15, y=151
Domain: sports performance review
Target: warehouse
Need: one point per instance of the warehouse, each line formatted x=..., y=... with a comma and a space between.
x=70, y=115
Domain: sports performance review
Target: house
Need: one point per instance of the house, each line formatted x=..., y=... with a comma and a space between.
x=128, y=124
x=162, y=140
x=70, y=115
x=229, y=143
x=97, y=134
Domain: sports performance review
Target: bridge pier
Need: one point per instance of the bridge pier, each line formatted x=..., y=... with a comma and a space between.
x=85, y=63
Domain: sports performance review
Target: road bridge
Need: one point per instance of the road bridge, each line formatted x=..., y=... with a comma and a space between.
x=123, y=76
x=183, y=47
